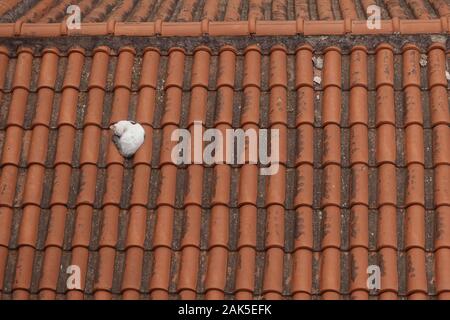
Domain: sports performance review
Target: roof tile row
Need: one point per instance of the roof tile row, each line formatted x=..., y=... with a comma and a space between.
x=219, y=28
x=219, y=10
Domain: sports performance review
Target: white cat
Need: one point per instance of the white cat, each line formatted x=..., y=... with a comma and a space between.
x=128, y=137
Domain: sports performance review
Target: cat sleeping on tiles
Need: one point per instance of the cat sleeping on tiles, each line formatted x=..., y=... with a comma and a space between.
x=128, y=137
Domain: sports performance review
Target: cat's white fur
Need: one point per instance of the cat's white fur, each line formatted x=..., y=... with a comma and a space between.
x=129, y=136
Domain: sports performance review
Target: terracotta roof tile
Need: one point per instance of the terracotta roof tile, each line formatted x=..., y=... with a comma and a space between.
x=363, y=169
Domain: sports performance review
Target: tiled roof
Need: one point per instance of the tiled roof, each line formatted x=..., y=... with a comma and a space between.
x=364, y=176
x=46, y=11
x=48, y=18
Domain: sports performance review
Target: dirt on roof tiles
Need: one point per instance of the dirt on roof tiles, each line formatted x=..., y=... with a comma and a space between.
x=363, y=177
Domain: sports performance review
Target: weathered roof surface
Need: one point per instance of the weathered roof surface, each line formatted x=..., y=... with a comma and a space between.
x=50, y=11
x=364, y=173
